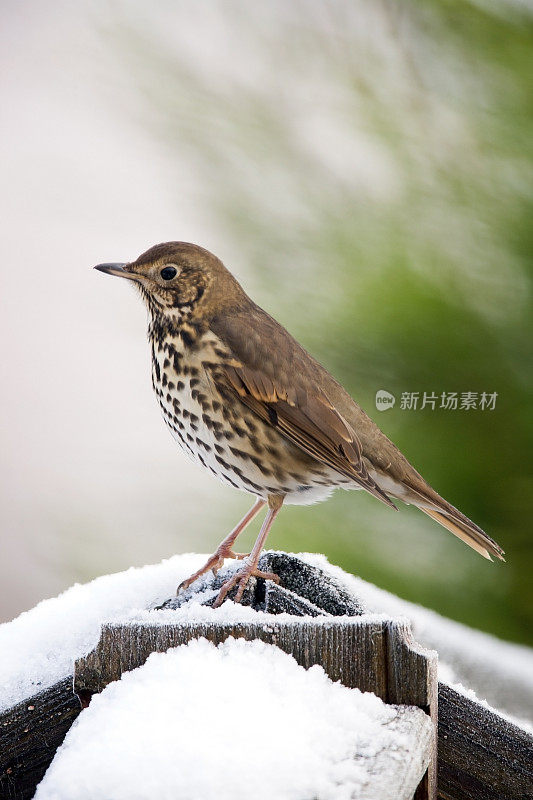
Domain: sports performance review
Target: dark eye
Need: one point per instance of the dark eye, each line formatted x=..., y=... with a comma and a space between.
x=168, y=273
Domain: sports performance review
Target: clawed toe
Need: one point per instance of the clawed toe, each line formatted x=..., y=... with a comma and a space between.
x=213, y=564
x=241, y=577
x=227, y=554
x=267, y=576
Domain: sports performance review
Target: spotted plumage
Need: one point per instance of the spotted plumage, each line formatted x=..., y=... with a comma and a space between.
x=214, y=429
x=244, y=400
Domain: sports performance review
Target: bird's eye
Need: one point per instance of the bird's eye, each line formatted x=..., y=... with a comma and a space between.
x=168, y=273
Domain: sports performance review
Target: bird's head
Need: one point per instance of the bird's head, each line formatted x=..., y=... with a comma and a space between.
x=177, y=279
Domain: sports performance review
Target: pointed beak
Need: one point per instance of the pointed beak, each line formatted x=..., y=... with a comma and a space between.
x=116, y=269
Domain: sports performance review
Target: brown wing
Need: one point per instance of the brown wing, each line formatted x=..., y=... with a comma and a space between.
x=275, y=377
x=297, y=408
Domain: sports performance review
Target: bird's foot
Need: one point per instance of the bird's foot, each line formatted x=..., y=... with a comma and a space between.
x=214, y=563
x=241, y=577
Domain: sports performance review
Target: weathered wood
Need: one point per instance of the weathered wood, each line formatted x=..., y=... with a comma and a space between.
x=482, y=756
x=279, y=600
x=412, y=679
x=371, y=654
x=352, y=651
x=311, y=583
x=30, y=734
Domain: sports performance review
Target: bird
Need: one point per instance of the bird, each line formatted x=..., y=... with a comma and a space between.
x=248, y=403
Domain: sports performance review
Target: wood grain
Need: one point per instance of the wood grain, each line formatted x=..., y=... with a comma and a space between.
x=30, y=734
x=352, y=651
x=482, y=756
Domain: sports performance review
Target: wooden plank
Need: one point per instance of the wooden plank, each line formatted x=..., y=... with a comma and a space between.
x=351, y=651
x=30, y=734
x=482, y=756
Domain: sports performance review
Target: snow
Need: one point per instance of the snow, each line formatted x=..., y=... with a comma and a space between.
x=228, y=722
x=38, y=647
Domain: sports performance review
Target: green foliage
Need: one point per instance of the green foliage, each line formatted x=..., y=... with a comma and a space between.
x=371, y=165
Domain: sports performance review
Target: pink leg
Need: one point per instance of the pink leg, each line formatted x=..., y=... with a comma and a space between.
x=243, y=575
x=216, y=561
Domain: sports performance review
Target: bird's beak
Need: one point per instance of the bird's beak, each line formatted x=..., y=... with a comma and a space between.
x=117, y=269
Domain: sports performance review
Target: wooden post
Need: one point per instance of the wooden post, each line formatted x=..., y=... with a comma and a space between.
x=412, y=679
x=481, y=755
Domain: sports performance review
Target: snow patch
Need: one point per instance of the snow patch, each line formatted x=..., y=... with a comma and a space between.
x=239, y=720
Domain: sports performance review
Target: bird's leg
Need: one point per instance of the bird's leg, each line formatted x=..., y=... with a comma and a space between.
x=249, y=569
x=216, y=561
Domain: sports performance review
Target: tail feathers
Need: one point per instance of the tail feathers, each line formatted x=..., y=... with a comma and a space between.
x=466, y=530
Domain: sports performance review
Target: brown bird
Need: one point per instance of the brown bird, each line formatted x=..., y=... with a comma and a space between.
x=248, y=403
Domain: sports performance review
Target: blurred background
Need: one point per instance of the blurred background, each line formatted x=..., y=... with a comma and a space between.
x=365, y=169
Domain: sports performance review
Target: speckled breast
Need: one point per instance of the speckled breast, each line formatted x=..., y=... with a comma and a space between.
x=220, y=433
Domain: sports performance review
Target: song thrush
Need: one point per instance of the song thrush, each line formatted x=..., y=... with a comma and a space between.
x=248, y=403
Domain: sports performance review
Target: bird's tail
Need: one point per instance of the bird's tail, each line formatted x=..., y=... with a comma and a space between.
x=452, y=519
